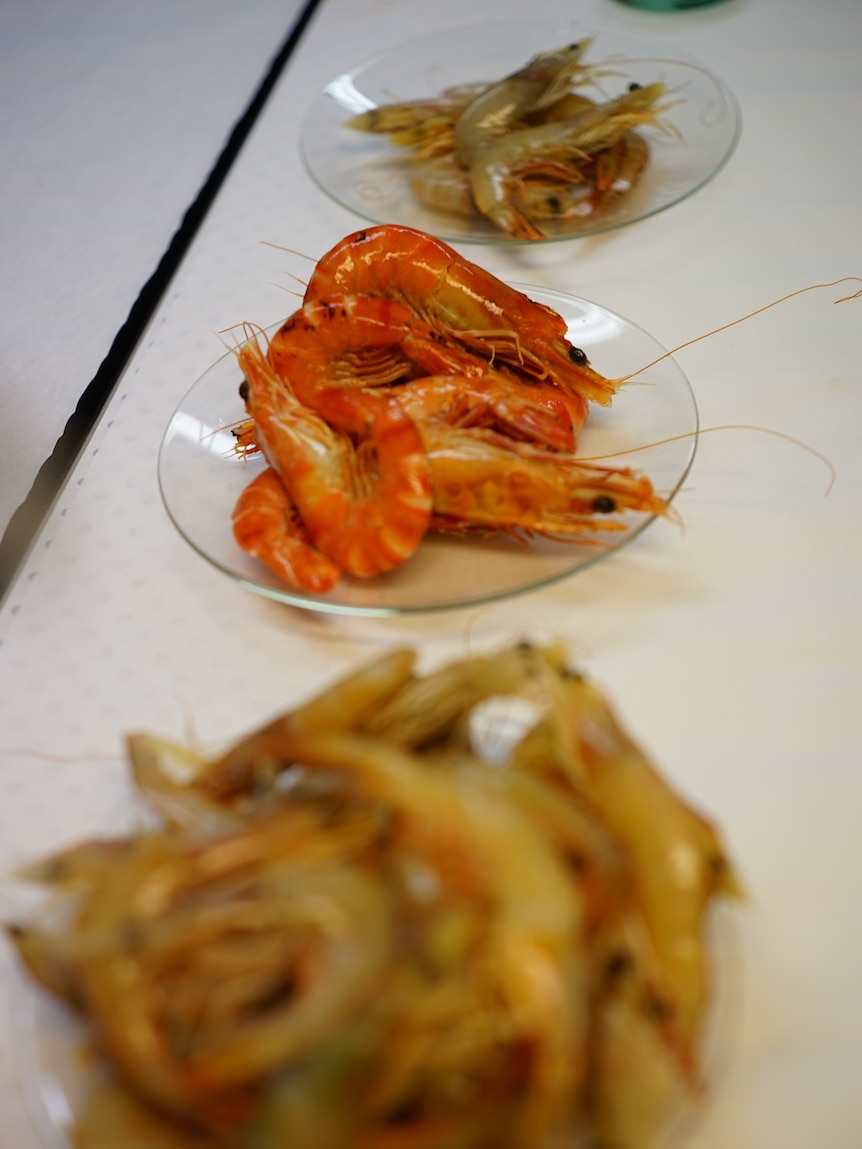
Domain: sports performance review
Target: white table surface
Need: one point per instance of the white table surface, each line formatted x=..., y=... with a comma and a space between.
x=732, y=647
x=112, y=116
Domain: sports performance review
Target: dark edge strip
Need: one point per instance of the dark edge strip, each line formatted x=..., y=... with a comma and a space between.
x=30, y=516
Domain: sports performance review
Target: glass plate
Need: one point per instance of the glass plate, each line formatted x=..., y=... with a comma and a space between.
x=201, y=478
x=367, y=174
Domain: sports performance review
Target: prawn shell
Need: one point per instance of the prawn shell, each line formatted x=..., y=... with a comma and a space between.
x=461, y=301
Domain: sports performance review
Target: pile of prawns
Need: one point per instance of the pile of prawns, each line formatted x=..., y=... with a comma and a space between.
x=411, y=392
x=529, y=148
x=415, y=911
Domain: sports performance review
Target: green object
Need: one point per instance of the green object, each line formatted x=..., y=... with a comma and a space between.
x=667, y=5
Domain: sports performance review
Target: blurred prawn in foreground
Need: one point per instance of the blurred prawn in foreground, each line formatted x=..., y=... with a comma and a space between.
x=418, y=910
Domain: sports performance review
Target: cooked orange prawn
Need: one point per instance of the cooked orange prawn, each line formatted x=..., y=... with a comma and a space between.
x=461, y=301
x=371, y=341
x=360, y=340
x=267, y=525
x=536, y=413
x=365, y=506
x=484, y=479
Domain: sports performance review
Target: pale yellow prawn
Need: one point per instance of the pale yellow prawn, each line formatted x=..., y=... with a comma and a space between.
x=463, y=116
x=177, y=961
x=536, y=413
x=500, y=163
x=680, y=862
x=584, y=188
x=463, y=302
x=617, y=169
x=443, y=183
x=427, y=127
x=357, y=472
x=385, y=933
x=482, y=479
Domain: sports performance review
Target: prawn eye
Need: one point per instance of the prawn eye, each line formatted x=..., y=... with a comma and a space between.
x=634, y=86
x=578, y=357
x=604, y=505
x=243, y=390
x=554, y=203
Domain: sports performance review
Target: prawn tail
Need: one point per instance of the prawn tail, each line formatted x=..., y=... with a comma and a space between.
x=267, y=526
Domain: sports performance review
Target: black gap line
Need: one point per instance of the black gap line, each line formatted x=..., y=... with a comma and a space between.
x=29, y=518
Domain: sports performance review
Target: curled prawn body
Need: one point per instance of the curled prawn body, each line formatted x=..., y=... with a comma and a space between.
x=267, y=525
x=355, y=468
x=462, y=302
x=360, y=340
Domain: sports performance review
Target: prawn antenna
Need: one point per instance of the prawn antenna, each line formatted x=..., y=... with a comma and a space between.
x=742, y=319
x=289, y=250
x=290, y=290
x=727, y=427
